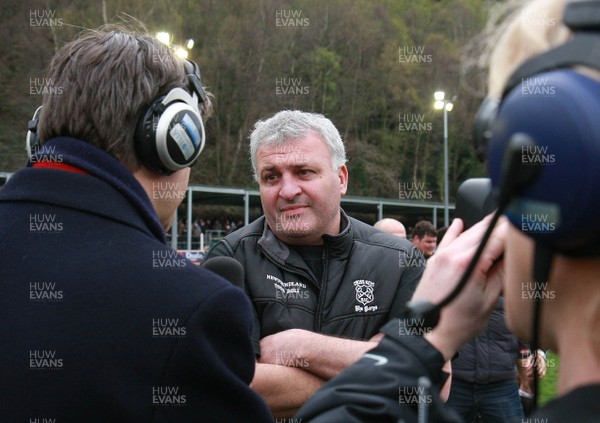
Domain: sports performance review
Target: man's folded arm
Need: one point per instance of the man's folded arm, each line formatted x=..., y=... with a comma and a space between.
x=387, y=384
x=322, y=355
x=284, y=388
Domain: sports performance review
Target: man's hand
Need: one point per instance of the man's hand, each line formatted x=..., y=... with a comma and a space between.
x=466, y=316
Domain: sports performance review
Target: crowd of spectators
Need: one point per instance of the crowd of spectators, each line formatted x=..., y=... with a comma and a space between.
x=205, y=232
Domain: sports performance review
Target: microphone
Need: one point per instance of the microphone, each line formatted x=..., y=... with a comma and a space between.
x=228, y=268
x=515, y=178
x=233, y=271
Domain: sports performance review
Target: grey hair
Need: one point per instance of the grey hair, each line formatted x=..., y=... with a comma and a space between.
x=290, y=125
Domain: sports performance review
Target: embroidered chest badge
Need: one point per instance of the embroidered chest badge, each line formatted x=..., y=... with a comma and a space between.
x=364, y=295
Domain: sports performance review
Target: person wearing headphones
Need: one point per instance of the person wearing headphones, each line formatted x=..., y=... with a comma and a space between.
x=102, y=321
x=544, y=145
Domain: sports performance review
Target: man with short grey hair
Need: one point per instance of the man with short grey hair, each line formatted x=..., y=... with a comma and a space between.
x=321, y=282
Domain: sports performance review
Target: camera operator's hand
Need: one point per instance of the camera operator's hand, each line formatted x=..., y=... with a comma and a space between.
x=466, y=316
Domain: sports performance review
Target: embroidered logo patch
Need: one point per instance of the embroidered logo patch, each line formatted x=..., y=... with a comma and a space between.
x=364, y=295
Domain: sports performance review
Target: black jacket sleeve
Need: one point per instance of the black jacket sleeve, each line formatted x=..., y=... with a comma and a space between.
x=395, y=381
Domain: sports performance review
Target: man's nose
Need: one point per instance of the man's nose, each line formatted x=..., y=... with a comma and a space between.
x=290, y=188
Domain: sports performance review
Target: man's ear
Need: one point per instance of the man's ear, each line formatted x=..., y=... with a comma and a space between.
x=343, y=175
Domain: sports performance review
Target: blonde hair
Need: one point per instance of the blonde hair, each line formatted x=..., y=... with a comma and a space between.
x=530, y=30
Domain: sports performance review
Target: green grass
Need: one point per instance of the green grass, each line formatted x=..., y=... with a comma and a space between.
x=548, y=383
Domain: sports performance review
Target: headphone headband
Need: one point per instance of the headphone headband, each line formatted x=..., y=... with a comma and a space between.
x=582, y=16
x=582, y=50
x=195, y=80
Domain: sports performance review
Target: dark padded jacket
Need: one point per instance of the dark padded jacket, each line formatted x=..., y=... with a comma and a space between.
x=491, y=356
x=368, y=276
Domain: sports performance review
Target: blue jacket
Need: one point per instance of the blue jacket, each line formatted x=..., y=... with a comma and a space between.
x=101, y=321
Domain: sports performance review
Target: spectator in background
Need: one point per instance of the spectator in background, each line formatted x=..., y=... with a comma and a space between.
x=527, y=364
x=196, y=235
x=424, y=237
x=391, y=226
x=201, y=225
x=240, y=224
x=484, y=371
x=322, y=283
